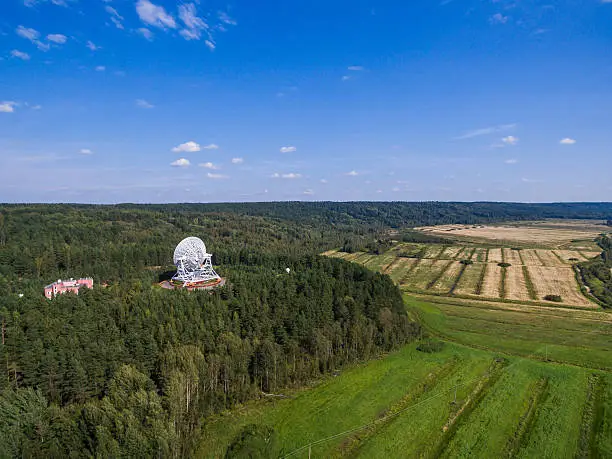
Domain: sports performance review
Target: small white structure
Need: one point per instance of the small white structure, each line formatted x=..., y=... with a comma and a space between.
x=193, y=263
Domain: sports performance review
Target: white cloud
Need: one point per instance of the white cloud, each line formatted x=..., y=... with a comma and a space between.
x=20, y=55
x=146, y=33
x=144, y=104
x=355, y=68
x=193, y=24
x=288, y=149
x=346, y=78
x=182, y=162
x=86, y=151
x=211, y=44
x=225, y=19
x=212, y=146
x=115, y=17
x=568, y=140
x=154, y=15
x=237, y=160
x=32, y=35
x=209, y=165
x=290, y=175
x=92, y=46
x=511, y=161
x=31, y=3
x=323, y=180
x=187, y=147
x=216, y=176
x=510, y=140
x=308, y=192
x=498, y=18
x=352, y=173
x=7, y=107
x=27, y=33
x=100, y=68
x=486, y=131
x=57, y=38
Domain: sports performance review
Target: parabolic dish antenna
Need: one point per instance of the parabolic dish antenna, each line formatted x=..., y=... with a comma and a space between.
x=192, y=262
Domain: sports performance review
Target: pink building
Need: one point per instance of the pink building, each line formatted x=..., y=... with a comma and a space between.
x=72, y=285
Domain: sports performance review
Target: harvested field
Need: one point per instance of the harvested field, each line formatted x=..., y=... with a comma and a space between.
x=516, y=287
x=512, y=257
x=469, y=280
x=530, y=258
x=480, y=255
x=590, y=254
x=452, y=252
x=558, y=281
x=495, y=255
x=547, y=233
x=490, y=287
x=447, y=280
x=552, y=272
x=402, y=268
x=424, y=273
x=434, y=251
x=549, y=258
x=567, y=255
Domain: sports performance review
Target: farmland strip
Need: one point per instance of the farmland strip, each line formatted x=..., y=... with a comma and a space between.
x=405, y=277
x=472, y=401
x=435, y=280
x=521, y=434
x=559, y=257
x=463, y=268
x=529, y=284
x=502, y=282
x=391, y=265
x=351, y=445
x=592, y=418
x=483, y=273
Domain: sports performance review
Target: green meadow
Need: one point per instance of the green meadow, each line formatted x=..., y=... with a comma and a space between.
x=505, y=383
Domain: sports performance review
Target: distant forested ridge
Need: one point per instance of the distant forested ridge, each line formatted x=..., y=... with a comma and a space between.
x=597, y=274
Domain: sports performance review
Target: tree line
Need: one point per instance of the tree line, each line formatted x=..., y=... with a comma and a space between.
x=597, y=274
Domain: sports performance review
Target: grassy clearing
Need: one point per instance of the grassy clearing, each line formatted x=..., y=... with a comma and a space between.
x=404, y=404
x=358, y=396
x=420, y=432
x=567, y=339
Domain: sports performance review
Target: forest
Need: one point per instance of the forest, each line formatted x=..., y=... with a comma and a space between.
x=129, y=369
x=597, y=274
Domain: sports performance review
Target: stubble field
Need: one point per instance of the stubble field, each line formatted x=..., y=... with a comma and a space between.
x=532, y=274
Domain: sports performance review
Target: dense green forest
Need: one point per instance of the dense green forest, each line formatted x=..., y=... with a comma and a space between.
x=129, y=369
x=597, y=274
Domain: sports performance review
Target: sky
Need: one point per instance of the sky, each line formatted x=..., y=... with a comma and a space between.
x=108, y=101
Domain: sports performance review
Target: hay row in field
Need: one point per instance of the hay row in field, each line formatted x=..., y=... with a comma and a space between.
x=447, y=278
x=492, y=281
x=515, y=284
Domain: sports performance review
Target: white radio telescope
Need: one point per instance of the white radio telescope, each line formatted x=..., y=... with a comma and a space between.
x=192, y=262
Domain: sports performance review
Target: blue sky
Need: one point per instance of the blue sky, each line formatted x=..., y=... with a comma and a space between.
x=166, y=101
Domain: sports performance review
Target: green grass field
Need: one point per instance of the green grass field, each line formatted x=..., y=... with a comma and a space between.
x=524, y=388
